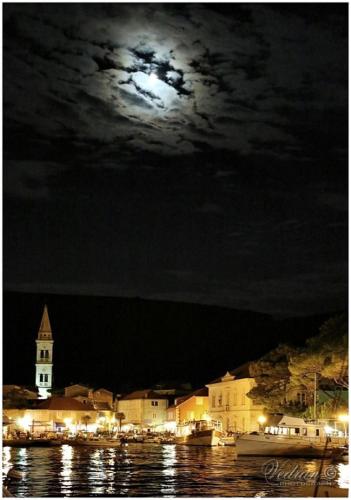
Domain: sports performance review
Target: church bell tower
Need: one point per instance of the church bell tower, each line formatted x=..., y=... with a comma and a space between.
x=43, y=365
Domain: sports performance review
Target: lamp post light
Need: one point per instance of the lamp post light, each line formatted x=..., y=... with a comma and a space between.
x=261, y=420
x=344, y=419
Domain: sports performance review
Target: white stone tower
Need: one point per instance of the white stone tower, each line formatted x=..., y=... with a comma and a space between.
x=43, y=365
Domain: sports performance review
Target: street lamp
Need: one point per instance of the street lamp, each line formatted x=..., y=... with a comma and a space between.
x=344, y=419
x=261, y=420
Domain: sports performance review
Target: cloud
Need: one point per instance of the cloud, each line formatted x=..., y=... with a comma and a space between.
x=203, y=61
x=30, y=180
x=230, y=163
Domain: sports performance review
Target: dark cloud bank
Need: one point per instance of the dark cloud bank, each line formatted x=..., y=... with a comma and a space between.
x=220, y=180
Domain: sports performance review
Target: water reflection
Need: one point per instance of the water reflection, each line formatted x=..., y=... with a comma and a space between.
x=66, y=469
x=110, y=470
x=168, y=470
x=149, y=470
x=344, y=475
x=96, y=472
x=6, y=460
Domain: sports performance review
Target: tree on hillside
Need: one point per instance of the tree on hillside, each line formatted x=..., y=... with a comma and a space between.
x=272, y=376
x=326, y=354
x=334, y=337
x=324, y=358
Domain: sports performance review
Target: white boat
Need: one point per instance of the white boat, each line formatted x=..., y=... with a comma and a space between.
x=199, y=433
x=228, y=441
x=293, y=437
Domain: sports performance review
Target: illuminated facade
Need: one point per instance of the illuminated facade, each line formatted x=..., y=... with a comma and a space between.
x=229, y=403
x=143, y=409
x=56, y=414
x=98, y=397
x=192, y=407
x=44, y=358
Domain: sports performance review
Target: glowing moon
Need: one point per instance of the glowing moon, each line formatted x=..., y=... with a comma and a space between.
x=153, y=78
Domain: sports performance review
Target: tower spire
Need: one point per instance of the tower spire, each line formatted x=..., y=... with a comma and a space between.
x=44, y=360
x=45, y=331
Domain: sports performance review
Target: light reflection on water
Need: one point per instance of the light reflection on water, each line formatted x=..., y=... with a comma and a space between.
x=344, y=475
x=148, y=470
x=66, y=469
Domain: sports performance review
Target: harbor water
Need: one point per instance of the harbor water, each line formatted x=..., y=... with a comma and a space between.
x=160, y=471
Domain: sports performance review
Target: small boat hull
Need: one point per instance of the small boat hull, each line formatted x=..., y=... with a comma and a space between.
x=262, y=445
x=227, y=441
x=209, y=437
x=28, y=443
x=103, y=443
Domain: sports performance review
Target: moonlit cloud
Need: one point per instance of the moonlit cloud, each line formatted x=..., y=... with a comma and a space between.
x=213, y=73
x=206, y=139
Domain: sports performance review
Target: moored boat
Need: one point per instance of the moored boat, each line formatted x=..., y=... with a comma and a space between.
x=105, y=443
x=199, y=433
x=228, y=440
x=26, y=443
x=292, y=437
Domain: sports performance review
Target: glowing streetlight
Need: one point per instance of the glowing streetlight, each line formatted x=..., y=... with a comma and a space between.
x=343, y=418
x=261, y=421
x=25, y=422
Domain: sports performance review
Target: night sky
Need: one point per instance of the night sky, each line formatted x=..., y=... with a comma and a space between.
x=190, y=152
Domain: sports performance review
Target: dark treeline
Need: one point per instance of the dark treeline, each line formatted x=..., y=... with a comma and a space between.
x=128, y=343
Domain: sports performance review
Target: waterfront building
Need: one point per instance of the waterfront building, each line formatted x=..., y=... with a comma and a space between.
x=100, y=399
x=55, y=414
x=44, y=357
x=171, y=423
x=15, y=396
x=144, y=409
x=97, y=397
x=229, y=403
x=192, y=407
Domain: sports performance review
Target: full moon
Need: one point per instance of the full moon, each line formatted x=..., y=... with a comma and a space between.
x=153, y=78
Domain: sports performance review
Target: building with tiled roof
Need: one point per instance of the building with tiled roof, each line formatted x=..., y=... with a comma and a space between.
x=194, y=406
x=242, y=371
x=145, y=409
x=86, y=394
x=64, y=404
x=55, y=414
x=228, y=401
x=144, y=394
